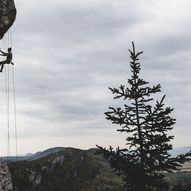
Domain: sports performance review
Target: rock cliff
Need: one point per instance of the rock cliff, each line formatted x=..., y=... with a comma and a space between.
x=7, y=15
x=5, y=177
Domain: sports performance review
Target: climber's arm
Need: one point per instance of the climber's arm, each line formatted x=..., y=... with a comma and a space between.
x=3, y=53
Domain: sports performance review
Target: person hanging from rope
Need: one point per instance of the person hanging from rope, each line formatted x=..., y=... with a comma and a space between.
x=8, y=60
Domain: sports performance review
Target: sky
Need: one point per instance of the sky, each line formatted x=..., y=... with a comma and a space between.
x=68, y=52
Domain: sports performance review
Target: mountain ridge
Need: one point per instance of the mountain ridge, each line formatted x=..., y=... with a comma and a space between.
x=40, y=154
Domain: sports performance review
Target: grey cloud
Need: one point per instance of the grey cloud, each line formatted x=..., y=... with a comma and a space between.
x=67, y=53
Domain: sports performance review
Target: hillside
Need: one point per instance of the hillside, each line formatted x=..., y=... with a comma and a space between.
x=68, y=169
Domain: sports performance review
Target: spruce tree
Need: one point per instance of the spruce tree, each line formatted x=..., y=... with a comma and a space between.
x=147, y=123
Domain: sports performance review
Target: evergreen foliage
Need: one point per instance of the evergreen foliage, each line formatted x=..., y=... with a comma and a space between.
x=147, y=123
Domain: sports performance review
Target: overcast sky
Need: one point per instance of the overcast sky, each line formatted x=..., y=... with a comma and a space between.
x=67, y=53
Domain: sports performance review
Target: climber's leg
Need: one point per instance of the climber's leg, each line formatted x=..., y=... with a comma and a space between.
x=2, y=65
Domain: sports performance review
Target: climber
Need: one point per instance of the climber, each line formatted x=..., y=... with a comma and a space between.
x=8, y=60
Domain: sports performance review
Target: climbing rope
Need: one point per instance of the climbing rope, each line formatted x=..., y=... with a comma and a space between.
x=15, y=113
x=7, y=91
x=14, y=101
x=8, y=74
x=10, y=43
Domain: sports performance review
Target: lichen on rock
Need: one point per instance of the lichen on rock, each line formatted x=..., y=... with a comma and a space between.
x=7, y=15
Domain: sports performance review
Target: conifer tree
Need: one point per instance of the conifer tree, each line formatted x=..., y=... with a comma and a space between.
x=147, y=124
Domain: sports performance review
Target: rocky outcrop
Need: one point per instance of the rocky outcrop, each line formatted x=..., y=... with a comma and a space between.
x=34, y=178
x=7, y=15
x=5, y=177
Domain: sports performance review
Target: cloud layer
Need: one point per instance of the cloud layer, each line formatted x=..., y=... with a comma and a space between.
x=67, y=53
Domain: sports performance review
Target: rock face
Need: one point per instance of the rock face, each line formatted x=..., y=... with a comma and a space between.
x=7, y=15
x=5, y=177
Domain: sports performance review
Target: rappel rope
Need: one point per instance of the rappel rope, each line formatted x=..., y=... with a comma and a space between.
x=2, y=88
x=7, y=42
x=15, y=113
x=7, y=91
x=14, y=97
x=14, y=101
x=6, y=74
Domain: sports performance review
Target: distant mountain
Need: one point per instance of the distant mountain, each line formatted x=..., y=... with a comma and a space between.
x=180, y=150
x=34, y=156
x=41, y=154
x=28, y=154
x=176, y=151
